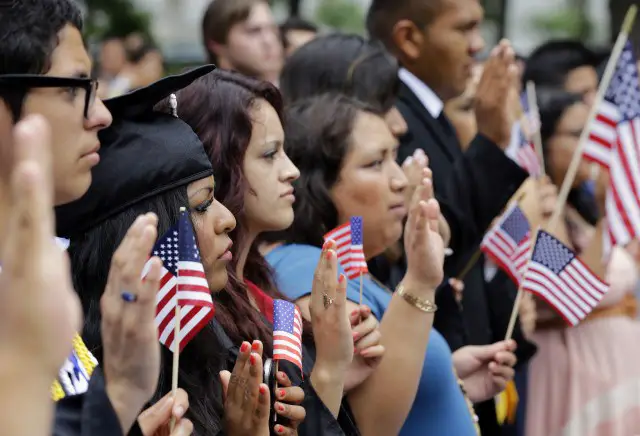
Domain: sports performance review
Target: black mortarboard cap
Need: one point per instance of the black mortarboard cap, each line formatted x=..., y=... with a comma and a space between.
x=143, y=153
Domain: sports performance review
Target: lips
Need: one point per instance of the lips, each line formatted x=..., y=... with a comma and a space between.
x=227, y=250
x=95, y=149
x=288, y=192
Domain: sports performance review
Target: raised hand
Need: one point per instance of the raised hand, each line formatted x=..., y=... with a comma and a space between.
x=331, y=329
x=247, y=398
x=40, y=311
x=129, y=335
x=414, y=170
x=367, y=347
x=499, y=77
x=155, y=420
x=486, y=369
x=423, y=244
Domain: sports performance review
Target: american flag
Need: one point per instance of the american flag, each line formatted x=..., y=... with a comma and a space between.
x=558, y=276
x=508, y=242
x=357, y=263
x=526, y=155
x=614, y=143
x=183, y=281
x=341, y=235
x=348, y=238
x=287, y=332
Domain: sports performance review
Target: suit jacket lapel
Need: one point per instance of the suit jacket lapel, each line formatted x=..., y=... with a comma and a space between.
x=407, y=96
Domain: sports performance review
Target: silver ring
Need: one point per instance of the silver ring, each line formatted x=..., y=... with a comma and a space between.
x=327, y=301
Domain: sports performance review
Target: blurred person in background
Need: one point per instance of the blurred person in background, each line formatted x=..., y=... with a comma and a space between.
x=112, y=59
x=567, y=64
x=144, y=65
x=296, y=32
x=242, y=35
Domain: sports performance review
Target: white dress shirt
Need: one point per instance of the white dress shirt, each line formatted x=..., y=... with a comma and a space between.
x=427, y=97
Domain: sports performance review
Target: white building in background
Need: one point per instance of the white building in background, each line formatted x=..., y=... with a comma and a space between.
x=176, y=24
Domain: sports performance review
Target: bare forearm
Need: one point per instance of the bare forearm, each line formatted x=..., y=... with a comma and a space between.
x=329, y=385
x=405, y=335
x=27, y=407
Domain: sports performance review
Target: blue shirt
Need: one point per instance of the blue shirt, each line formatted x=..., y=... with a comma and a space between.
x=439, y=408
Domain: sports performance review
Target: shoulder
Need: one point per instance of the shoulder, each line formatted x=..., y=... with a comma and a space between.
x=294, y=266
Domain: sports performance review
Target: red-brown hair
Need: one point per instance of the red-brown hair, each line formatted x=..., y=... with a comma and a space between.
x=218, y=107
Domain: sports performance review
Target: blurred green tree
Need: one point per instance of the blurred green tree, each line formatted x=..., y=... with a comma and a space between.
x=114, y=18
x=344, y=15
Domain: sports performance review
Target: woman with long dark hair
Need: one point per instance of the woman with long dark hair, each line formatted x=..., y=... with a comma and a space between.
x=153, y=162
x=347, y=160
x=240, y=122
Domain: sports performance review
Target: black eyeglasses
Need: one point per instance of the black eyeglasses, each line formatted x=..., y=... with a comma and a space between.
x=39, y=81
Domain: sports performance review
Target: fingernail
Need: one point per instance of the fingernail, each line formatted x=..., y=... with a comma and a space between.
x=252, y=359
x=279, y=428
x=178, y=412
x=356, y=335
x=326, y=244
x=329, y=254
x=355, y=350
x=355, y=312
x=255, y=346
x=281, y=393
x=341, y=278
x=407, y=161
x=280, y=407
x=244, y=347
x=364, y=353
x=281, y=375
x=263, y=390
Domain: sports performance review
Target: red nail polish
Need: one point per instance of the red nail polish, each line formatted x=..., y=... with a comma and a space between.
x=281, y=375
x=281, y=393
x=279, y=429
x=356, y=335
x=341, y=279
x=255, y=346
x=280, y=408
x=252, y=359
x=244, y=347
x=330, y=254
x=326, y=244
x=263, y=390
x=354, y=313
x=355, y=350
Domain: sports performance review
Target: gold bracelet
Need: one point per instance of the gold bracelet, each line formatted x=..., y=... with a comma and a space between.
x=417, y=302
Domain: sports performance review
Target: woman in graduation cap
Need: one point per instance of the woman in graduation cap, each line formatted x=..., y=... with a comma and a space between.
x=153, y=162
x=239, y=120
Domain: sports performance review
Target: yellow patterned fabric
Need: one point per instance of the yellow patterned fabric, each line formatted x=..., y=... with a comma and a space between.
x=507, y=404
x=73, y=378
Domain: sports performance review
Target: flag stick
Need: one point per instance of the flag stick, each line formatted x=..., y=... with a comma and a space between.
x=602, y=89
x=176, y=359
x=516, y=303
x=537, y=139
x=360, y=287
x=176, y=347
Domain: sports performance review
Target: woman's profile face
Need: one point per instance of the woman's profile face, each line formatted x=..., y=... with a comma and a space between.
x=268, y=201
x=371, y=184
x=564, y=142
x=212, y=223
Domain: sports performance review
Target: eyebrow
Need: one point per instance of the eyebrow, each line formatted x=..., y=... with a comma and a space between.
x=206, y=188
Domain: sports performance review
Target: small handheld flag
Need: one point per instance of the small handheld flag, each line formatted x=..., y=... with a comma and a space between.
x=341, y=235
x=558, y=276
x=508, y=243
x=357, y=263
x=183, y=283
x=287, y=332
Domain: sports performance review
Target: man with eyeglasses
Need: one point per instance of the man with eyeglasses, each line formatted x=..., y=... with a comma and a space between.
x=45, y=70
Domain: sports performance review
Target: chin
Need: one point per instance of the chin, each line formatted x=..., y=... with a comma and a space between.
x=73, y=191
x=217, y=281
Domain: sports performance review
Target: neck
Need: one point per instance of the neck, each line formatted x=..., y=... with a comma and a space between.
x=243, y=253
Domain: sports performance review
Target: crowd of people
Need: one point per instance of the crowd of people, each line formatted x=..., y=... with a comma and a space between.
x=284, y=136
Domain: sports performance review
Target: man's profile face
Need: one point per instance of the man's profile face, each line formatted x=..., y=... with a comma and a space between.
x=74, y=138
x=253, y=46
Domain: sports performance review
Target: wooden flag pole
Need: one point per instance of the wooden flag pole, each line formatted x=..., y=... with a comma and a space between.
x=602, y=89
x=537, y=139
x=275, y=389
x=176, y=349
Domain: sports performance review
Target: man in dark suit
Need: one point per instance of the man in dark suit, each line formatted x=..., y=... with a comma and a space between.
x=436, y=42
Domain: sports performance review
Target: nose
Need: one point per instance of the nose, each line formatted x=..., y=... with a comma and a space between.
x=99, y=116
x=398, y=180
x=225, y=222
x=395, y=122
x=289, y=172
